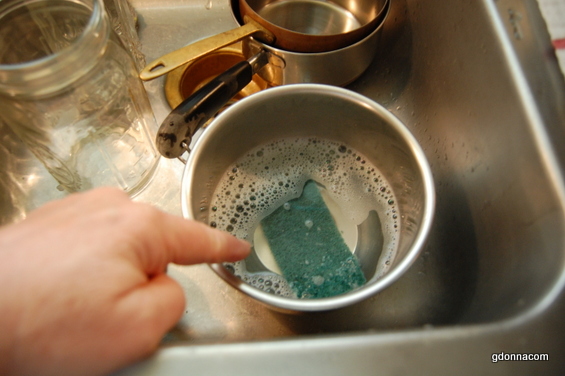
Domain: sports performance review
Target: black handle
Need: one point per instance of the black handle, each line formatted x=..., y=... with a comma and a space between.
x=179, y=126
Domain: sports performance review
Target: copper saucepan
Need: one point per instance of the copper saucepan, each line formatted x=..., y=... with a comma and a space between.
x=292, y=25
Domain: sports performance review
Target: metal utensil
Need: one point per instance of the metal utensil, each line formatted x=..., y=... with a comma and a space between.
x=176, y=131
x=306, y=26
x=330, y=113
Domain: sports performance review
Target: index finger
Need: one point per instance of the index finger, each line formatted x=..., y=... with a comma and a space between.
x=170, y=238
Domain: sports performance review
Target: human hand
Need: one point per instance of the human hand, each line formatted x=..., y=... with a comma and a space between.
x=84, y=288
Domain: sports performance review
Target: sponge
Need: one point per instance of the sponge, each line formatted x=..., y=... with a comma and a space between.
x=309, y=249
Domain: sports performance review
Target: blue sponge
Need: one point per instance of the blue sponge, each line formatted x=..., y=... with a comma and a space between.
x=309, y=249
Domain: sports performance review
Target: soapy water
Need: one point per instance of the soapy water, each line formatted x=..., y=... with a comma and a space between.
x=269, y=176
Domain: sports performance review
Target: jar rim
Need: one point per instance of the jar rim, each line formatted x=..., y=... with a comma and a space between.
x=47, y=73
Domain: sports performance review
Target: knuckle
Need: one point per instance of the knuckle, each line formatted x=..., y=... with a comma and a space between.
x=217, y=247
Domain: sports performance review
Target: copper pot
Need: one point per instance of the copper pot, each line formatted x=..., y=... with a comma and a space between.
x=307, y=26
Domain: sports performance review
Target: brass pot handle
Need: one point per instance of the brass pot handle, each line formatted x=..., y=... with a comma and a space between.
x=187, y=54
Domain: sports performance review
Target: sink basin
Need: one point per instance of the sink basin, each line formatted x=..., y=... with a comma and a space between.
x=478, y=85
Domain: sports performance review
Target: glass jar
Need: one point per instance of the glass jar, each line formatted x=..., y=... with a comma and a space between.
x=12, y=197
x=124, y=21
x=71, y=92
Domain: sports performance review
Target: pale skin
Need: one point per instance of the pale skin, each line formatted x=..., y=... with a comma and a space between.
x=84, y=283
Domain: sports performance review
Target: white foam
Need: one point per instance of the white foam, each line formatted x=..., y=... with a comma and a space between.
x=271, y=175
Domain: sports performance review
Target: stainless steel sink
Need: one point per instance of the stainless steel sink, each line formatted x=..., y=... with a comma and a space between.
x=478, y=84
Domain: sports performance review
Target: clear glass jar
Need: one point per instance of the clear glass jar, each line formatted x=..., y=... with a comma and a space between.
x=12, y=197
x=124, y=19
x=71, y=92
